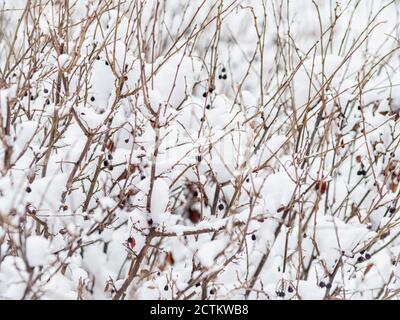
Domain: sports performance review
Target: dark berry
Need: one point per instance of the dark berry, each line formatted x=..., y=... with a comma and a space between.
x=106, y=163
x=199, y=158
x=290, y=289
x=204, y=94
x=150, y=222
x=47, y=101
x=223, y=69
x=212, y=291
x=219, y=77
x=392, y=210
x=360, y=259
x=361, y=172
x=221, y=206
x=32, y=97
x=142, y=177
x=195, y=193
x=367, y=256
x=253, y=237
x=28, y=189
x=198, y=284
x=98, y=58
x=111, y=167
x=106, y=63
x=46, y=90
x=224, y=77
x=328, y=285
x=202, y=119
x=208, y=107
x=121, y=205
x=322, y=284
x=92, y=98
x=166, y=288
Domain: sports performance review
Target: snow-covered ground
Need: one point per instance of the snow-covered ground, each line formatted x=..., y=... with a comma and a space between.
x=199, y=149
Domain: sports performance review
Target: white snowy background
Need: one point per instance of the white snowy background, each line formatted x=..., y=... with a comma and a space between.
x=199, y=149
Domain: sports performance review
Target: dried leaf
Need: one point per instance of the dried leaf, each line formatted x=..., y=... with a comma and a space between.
x=169, y=259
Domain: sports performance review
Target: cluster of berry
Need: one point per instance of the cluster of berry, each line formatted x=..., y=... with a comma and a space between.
x=107, y=162
x=223, y=75
x=364, y=256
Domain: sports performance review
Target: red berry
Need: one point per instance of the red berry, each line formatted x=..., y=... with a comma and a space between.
x=131, y=242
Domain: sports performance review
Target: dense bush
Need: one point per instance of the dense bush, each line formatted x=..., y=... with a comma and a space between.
x=199, y=149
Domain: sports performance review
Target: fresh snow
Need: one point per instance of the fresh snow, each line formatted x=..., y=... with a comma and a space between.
x=236, y=149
